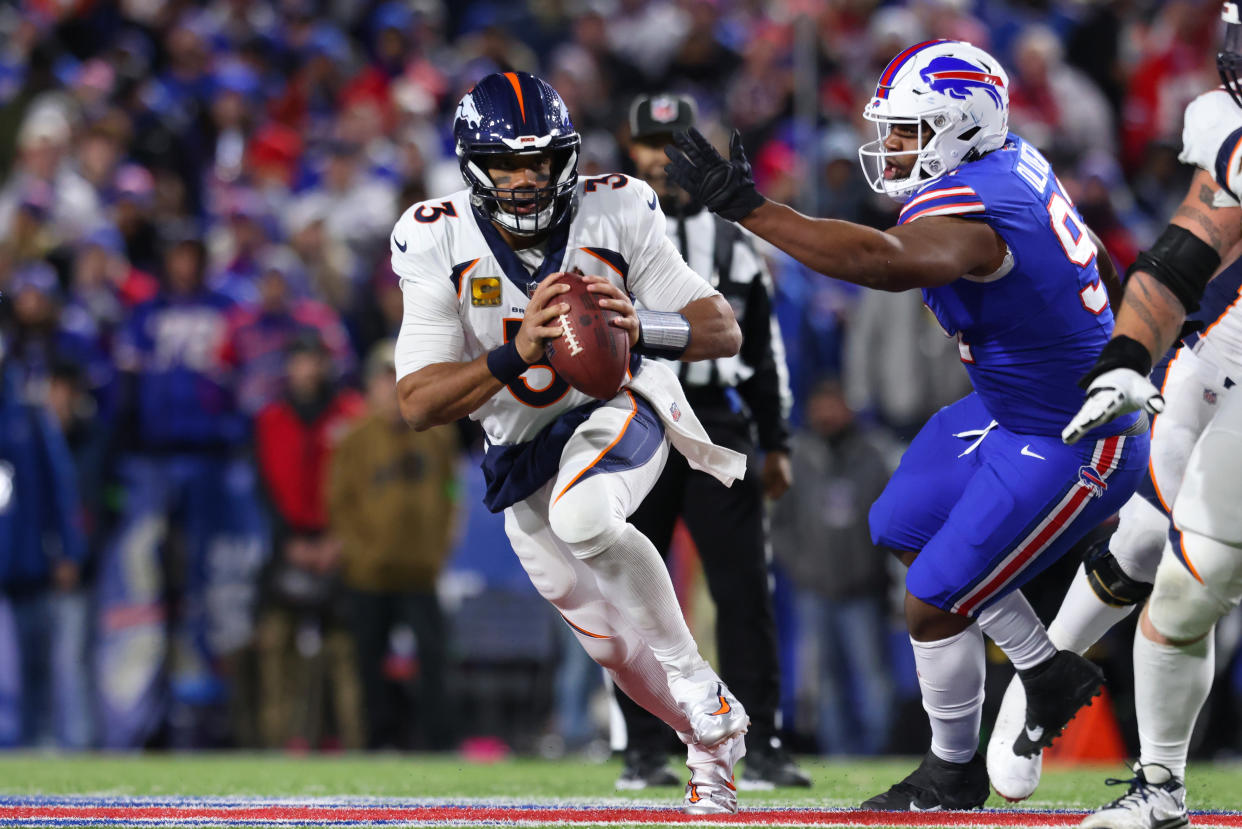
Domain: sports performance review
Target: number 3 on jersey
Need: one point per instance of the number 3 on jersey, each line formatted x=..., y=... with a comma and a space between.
x=540, y=397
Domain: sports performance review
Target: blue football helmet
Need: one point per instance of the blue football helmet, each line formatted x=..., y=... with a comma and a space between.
x=516, y=113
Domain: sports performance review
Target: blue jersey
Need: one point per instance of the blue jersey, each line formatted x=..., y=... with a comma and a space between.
x=1028, y=332
x=184, y=394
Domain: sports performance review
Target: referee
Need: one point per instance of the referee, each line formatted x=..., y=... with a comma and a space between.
x=740, y=400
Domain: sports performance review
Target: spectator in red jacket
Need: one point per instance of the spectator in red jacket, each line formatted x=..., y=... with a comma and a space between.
x=306, y=655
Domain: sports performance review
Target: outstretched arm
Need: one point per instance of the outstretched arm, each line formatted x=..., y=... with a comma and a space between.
x=929, y=252
x=922, y=254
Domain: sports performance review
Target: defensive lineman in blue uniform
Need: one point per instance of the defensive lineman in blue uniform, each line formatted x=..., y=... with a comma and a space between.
x=987, y=495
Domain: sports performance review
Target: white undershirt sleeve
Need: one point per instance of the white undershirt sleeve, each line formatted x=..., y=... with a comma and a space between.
x=430, y=330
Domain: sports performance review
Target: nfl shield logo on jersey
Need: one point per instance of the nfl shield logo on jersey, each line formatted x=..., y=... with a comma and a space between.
x=1088, y=477
x=1209, y=397
x=674, y=411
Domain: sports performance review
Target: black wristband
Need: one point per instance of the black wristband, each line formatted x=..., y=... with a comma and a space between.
x=1120, y=352
x=505, y=363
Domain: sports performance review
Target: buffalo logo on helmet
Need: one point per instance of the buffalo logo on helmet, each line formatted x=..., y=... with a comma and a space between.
x=959, y=79
x=1091, y=479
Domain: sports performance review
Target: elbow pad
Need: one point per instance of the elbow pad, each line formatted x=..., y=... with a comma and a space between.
x=1180, y=261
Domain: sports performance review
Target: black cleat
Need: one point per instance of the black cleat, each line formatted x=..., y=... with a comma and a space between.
x=935, y=785
x=646, y=769
x=769, y=767
x=1055, y=691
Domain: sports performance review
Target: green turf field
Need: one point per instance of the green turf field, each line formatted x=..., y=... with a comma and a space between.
x=840, y=783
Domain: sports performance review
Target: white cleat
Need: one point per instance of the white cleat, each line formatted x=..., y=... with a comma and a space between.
x=715, y=714
x=1013, y=777
x=1156, y=800
x=712, y=789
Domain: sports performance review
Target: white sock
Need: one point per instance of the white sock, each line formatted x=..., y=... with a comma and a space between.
x=644, y=681
x=951, y=678
x=1083, y=619
x=1170, y=685
x=1012, y=624
x=634, y=578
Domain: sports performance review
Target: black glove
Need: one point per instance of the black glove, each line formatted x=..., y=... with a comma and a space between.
x=726, y=188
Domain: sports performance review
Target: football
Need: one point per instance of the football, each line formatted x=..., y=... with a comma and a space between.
x=591, y=355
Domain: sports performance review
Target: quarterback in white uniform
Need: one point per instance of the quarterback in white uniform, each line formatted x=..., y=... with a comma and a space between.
x=1199, y=577
x=567, y=470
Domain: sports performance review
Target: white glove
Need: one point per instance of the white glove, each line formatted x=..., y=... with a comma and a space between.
x=1111, y=395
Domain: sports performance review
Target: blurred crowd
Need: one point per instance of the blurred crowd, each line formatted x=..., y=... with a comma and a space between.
x=220, y=532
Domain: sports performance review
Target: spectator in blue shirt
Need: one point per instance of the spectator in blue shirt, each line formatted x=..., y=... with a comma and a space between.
x=41, y=547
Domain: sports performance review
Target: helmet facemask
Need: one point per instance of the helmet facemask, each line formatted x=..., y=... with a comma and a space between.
x=874, y=155
x=524, y=211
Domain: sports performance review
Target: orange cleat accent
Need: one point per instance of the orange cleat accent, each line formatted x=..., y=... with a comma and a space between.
x=723, y=709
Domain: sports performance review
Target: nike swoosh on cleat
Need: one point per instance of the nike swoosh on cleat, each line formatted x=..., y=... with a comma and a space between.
x=694, y=793
x=1026, y=450
x=1035, y=734
x=401, y=246
x=914, y=807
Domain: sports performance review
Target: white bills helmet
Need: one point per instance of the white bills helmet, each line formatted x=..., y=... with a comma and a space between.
x=955, y=91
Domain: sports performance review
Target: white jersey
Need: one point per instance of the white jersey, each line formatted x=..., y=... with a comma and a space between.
x=466, y=291
x=1212, y=141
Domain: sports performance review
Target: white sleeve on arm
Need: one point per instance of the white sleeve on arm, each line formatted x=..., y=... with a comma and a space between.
x=659, y=277
x=1211, y=141
x=430, y=330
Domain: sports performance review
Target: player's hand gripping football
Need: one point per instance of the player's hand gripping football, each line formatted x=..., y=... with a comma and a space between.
x=614, y=299
x=726, y=188
x=538, y=322
x=1111, y=395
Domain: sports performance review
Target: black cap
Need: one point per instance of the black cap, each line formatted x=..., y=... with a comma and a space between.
x=306, y=340
x=661, y=114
